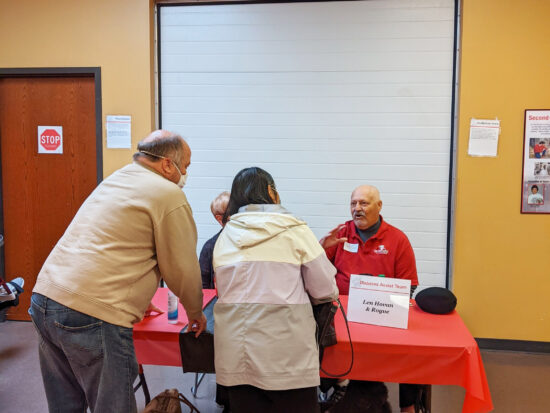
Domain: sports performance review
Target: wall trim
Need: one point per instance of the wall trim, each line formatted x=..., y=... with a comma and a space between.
x=226, y=2
x=453, y=150
x=514, y=345
x=70, y=71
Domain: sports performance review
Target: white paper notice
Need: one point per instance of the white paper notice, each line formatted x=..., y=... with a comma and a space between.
x=119, y=131
x=483, y=137
x=379, y=301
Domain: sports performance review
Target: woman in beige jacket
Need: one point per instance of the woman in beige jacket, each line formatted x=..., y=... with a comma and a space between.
x=268, y=264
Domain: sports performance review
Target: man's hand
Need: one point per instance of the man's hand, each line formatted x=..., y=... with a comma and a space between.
x=331, y=239
x=152, y=308
x=198, y=326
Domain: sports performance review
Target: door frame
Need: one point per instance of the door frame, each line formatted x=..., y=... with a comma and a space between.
x=453, y=142
x=38, y=72
x=94, y=72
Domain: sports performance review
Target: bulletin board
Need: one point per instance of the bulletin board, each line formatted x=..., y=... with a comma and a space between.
x=535, y=188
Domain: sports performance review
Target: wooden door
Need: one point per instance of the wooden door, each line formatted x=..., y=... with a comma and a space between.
x=42, y=192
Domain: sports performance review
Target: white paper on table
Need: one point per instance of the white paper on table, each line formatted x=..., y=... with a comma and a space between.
x=483, y=137
x=119, y=131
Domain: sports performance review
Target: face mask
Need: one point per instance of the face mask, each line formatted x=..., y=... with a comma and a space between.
x=183, y=178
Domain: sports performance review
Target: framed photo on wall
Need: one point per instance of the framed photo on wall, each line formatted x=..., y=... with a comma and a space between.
x=535, y=187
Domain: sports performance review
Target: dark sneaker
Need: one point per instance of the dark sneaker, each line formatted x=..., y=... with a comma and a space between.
x=363, y=397
x=336, y=396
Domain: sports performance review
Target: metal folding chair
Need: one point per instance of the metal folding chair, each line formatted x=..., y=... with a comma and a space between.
x=143, y=384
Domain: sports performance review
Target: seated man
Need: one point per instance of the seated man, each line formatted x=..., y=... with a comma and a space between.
x=218, y=207
x=369, y=245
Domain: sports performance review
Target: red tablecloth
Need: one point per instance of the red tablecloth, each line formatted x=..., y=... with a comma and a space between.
x=435, y=349
x=155, y=340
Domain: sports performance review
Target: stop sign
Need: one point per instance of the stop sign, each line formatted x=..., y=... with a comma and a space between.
x=50, y=139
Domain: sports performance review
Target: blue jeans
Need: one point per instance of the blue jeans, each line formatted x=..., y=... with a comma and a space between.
x=85, y=362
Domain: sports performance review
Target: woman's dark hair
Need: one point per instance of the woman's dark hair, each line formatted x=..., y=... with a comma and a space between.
x=535, y=187
x=249, y=187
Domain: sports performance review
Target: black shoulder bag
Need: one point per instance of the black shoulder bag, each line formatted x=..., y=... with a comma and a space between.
x=326, y=333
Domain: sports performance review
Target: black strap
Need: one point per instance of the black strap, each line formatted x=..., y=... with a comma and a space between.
x=181, y=398
x=186, y=401
x=350, y=344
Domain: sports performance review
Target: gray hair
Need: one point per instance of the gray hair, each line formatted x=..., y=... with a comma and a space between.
x=219, y=204
x=163, y=146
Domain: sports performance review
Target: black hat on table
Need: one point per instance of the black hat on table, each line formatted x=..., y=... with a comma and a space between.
x=436, y=300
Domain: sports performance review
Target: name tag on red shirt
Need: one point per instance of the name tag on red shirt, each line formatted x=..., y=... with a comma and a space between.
x=351, y=247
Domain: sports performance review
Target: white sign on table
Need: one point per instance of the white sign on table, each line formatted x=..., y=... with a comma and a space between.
x=378, y=300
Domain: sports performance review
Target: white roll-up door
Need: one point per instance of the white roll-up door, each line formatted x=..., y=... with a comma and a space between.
x=325, y=96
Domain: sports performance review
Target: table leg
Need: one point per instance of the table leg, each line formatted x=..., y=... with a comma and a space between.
x=424, y=405
x=198, y=381
x=142, y=383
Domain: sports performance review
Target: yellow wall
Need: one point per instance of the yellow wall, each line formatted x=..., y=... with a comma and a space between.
x=501, y=272
x=112, y=34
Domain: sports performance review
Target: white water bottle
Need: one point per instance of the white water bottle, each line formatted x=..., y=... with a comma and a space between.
x=172, y=307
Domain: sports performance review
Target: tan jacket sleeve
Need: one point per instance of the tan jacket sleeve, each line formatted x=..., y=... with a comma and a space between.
x=176, y=247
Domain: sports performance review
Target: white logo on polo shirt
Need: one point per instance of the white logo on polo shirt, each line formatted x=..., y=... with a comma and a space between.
x=381, y=250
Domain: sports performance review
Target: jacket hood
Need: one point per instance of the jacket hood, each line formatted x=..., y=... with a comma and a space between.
x=256, y=223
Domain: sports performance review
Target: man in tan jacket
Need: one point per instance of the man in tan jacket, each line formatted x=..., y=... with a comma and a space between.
x=135, y=228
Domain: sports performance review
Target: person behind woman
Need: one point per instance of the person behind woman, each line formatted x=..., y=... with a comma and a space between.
x=218, y=208
x=267, y=265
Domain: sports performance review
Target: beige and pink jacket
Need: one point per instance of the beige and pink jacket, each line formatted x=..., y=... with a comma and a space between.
x=267, y=265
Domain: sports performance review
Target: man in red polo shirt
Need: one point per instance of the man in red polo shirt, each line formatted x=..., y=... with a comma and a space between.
x=369, y=245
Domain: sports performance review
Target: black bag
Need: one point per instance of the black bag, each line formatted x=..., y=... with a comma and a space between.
x=197, y=354
x=326, y=333
x=324, y=317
